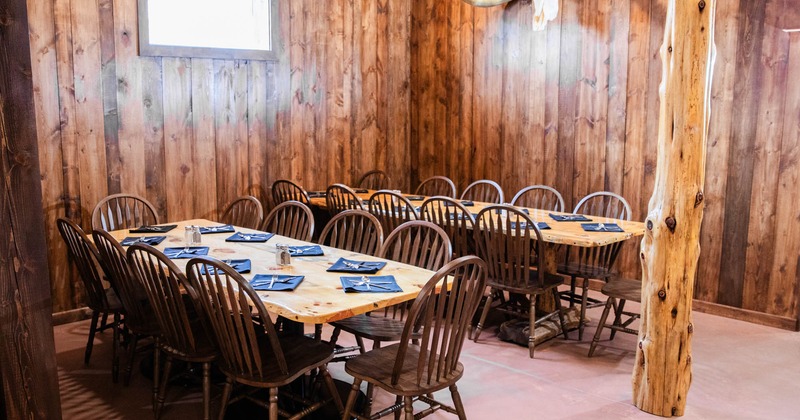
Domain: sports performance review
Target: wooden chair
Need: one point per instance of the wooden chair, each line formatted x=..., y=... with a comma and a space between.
x=101, y=300
x=415, y=371
x=595, y=262
x=512, y=247
x=484, y=190
x=285, y=190
x=437, y=185
x=355, y=231
x=539, y=197
x=139, y=318
x=292, y=219
x=618, y=291
x=183, y=336
x=392, y=209
x=340, y=197
x=374, y=180
x=251, y=351
x=245, y=211
x=123, y=211
x=454, y=218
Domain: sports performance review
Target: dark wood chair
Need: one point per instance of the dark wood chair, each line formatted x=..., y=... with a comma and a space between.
x=539, y=197
x=340, y=197
x=437, y=185
x=355, y=231
x=618, y=291
x=596, y=262
x=292, y=219
x=512, y=246
x=101, y=300
x=123, y=211
x=374, y=180
x=285, y=190
x=455, y=219
x=139, y=318
x=251, y=352
x=245, y=211
x=392, y=209
x=413, y=372
x=183, y=336
x=485, y=191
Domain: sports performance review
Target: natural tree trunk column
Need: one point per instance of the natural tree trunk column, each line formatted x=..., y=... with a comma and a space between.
x=671, y=245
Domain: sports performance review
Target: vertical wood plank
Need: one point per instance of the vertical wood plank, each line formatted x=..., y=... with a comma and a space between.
x=108, y=72
x=204, y=158
x=571, y=56
x=179, y=139
x=155, y=163
x=257, y=97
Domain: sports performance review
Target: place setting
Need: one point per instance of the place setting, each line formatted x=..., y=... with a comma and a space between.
x=305, y=251
x=249, y=237
x=153, y=229
x=370, y=284
x=276, y=282
x=570, y=218
x=216, y=229
x=177, y=253
x=241, y=266
x=149, y=240
x=343, y=265
x=601, y=227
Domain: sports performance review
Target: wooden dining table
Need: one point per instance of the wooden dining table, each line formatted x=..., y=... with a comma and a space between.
x=319, y=298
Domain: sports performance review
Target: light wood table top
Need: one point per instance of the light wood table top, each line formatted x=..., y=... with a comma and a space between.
x=566, y=233
x=319, y=298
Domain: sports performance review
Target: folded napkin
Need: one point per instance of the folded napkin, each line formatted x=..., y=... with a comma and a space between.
x=570, y=218
x=153, y=229
x=217, y=229
x=181, y=252
x=373, y=284
x=459, y=216
x=149, y=240
x=344, y=265
x=306, y=251
x=540, y=225
x=415, y=197
x=465, y=203
x=523, y=210
x=240, y=266
x=317, y=194
x=275, y=282
x=601, y=227
x=355, y=203
x=361, y=191
x=249, y=237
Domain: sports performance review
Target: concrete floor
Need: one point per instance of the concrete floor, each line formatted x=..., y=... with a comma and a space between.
x=740, y=371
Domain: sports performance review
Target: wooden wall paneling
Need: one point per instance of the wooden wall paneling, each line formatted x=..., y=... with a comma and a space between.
x=746, y=90
x=569, y=73
x=464, y=139
x=767, y=152
x=309, y=152
x=298, y=68
x=204, y=157
x=336, y=124
x=280, y=130
x=379, y=11
x=155, y=162
x=658, y=13
x=272, y=169
x=241, y=129
x=533, y=136
x=397, y=75
x=323, y=142
x=551, y=100
x=438, y=96
x=179, y=138
x=618, y=32
x=111, y=123
x=422, y=81
x=229, y=168
x=450, y=87
x=257, y=130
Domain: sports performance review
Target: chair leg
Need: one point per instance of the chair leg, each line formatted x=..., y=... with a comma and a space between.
x=335, y=336
x=115, y=349
x=601, y=325
x=92, y=330
x=361, y=347
x=408, y=407
x=367, y=411
x=351, y=399
x=126, y=379
x=484, y=314
x=273, y=404
x=571, y=292
x=226, y=396
x=162, y=389
x=459, y=405
x=532, y=327
x=584, y=297
x=105, y=320
x=206, y=390
x=618, y=316
x=156, y=372
x=560, y=314
x=397, y=401
x=326, y=376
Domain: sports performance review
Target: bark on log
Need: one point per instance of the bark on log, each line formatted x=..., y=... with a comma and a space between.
x=671, y=247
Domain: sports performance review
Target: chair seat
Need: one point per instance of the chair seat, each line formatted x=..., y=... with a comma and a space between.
x=533, y=286
x=584, y=270
x=376, y=328
x=377, y=366
x=301, y=353
x=626, y=289
x=205, y=350
x=114, y=304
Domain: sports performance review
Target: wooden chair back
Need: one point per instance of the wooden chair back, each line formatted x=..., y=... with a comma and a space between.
x=598, y=261
x=123, y=211
x=484, y=190
x=355, y=231
x=454, y=218
x=374, y=180
x=511, y=245
x=292, y=219
x=231, y=308
x=84, y=254
x=605, y=204
x=392, y=209
x=162, y=282
x=419, y=243
x=442, y=321
x=285, y=190
x=539, y=197
x=138, y=314
x=437, y=186
x=245, y=211
x=341, y=197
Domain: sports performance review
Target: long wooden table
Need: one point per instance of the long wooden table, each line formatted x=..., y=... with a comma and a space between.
x=319, y=298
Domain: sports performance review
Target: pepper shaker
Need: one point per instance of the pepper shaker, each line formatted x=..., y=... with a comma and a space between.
x=282, y=256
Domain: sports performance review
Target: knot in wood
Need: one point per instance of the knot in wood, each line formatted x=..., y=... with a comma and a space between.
x=671, y=223
x=23, y=158
x=640, y=345
x=642, y=255
x=701, y=5
x=674, y=411
x=698, y=198
x=689, y=359
x=662, y=294
x=669, y=49
x=690, y=328
x=649, y=225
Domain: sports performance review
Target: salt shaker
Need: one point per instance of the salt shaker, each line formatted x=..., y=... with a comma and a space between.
x=282, y=256
x=198, y=237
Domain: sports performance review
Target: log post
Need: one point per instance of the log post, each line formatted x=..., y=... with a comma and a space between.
x=671, y=246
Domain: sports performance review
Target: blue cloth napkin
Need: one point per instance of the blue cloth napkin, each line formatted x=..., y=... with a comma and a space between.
x=465, y=203
x=415, y=197
x=343, y=265
x=216, y=229
x=524, y=210
x=570, y=218
x=371, y=284
x=276, y=282
x=249, y=237
x=459, y=216
x=149, y=240
x=153, y=229
x=306, y=251
x=241, y=266
x=317, y=194
x=361, y=191
x=178, y=253
x=607, y=227
x=541, y=225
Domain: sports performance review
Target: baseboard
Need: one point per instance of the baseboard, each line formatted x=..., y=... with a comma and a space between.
x=74, y=315
x=769, y=320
